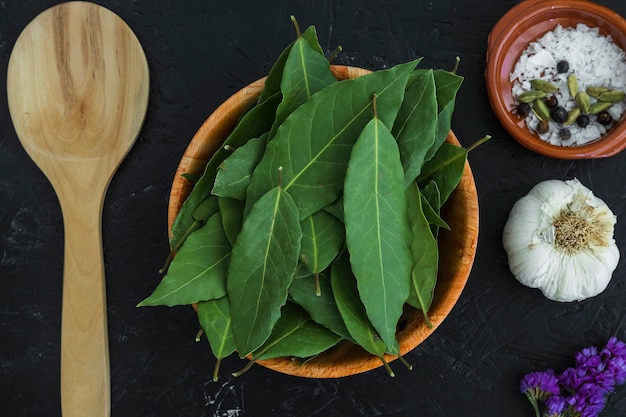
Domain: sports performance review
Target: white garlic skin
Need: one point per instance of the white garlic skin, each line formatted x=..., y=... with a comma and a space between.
x=535, y=261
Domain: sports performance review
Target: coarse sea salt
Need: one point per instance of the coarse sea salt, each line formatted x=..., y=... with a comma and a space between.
x=593, y=58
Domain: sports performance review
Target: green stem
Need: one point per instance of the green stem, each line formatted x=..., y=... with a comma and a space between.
x=244, y=370
x=457, y=60
x=478, y=142
x=387, y=367
x=405, y=363
x=216, y=370
x=533, y=402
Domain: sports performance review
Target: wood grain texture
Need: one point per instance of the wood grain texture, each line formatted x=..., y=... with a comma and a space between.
x=457, y=246
x=78, y=90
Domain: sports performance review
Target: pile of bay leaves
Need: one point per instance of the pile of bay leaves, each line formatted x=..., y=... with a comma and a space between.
x=317, y=221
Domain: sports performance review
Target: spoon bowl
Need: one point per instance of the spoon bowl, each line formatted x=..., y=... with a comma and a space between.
x=77, y=87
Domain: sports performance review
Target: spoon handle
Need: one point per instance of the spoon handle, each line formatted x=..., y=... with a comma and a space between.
x=85, y=373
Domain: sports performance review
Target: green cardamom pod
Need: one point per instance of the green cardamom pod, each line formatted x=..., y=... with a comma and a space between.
x=583, y=101
x=530, y=96
x=599, y=106
x=596, y=91
x=572, y=116
x=613, y=96
x=541, y=109
x=572, y=85
x=543, y=85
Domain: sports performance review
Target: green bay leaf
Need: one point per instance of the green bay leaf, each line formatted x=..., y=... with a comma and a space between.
x=275, y=74
x=296, y=335
x=198, y=272
x=314, y=142
x=323, y=235
x=233, y=174
x=416, y=125
x=425, y=255
x=445, y=168
x=322, y=308
x=262, y=265
x=214, y=318
x=232, y=217
x=378, y=234
x=306, y=72
x=352, y=310
x=431, y=206
x=448, y=85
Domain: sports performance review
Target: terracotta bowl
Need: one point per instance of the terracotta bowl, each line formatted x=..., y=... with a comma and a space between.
x=525, y=23
x=457, y=248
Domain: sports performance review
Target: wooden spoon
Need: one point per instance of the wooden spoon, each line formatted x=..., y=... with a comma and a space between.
x=78, y=86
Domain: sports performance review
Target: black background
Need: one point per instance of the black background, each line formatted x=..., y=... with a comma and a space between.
x=199, y=53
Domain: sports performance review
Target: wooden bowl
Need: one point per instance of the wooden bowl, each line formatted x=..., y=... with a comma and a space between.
x=457, y=247
x=525, y=23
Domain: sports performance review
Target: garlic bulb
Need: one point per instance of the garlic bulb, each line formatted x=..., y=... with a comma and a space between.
x=559, y=238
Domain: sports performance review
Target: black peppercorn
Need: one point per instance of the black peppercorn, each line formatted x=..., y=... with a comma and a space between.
x=604, y=118
x=558, y=114
x=543, y=126
x=562, y=66
x=551, y=101
x=523, y=109
x=582, y=120
x=564, y=133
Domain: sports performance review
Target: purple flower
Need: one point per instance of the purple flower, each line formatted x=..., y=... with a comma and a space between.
x=555, y=405
x=540, y=385
x=588, y=401
x=614, y=356
x=614, y=347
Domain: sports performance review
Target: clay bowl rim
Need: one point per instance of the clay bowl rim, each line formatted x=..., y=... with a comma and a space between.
x=346, y=358
x=524, y=23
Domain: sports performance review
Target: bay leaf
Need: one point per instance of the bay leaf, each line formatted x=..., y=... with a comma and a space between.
x=352, y=310
x=232, y=217
x=233, y=174
x=306, y=72
x=322, y=308
x=214, y=318
x=416, y=124
x=275, y=74
x=448, y=84
x=199, y=215
x=378, y=234
x=263, y=261
x=296, y=335
x=425, y=255
x=314, y=142
x=431, y=206
x=445, y=168
x=323, y=235
x=198, y=272
x=253, y=124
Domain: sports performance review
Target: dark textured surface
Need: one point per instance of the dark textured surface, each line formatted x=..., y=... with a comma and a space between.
x=200, y=52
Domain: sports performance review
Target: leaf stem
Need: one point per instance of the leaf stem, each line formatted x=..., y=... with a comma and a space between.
x=405, y=363
x=427, y=320
x=296, y=26
x=374, y=106
x=334, y=54
x=478, y=142
x=318, y=288
x=216, y=370
x=199, y=334
x=455, y=68
x=243, y=370
x=387, y=367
